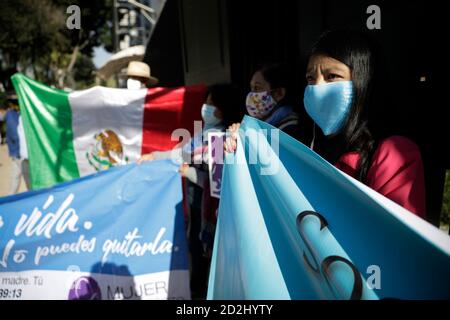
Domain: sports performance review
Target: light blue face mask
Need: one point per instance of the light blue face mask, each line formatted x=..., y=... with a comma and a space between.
x=329, y=104
x=208, y=115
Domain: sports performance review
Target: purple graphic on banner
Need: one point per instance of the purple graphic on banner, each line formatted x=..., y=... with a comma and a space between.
x=85, y=288
x=215, y=149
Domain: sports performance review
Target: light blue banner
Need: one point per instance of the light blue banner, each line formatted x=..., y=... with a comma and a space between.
x=292, y=226
x=118, y=234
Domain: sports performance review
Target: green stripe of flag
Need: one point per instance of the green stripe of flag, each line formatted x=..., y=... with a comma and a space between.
x=47, y=120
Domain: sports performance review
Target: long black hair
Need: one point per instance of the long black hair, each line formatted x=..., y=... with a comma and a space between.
x=228, y=99
x=361, y=55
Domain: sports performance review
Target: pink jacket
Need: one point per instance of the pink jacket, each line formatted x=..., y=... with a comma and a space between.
x=396, y=172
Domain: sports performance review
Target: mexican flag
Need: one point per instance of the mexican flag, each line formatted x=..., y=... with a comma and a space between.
x=74, y=134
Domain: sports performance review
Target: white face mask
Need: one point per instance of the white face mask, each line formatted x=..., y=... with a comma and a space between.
x=134, y=84
x=208, y=115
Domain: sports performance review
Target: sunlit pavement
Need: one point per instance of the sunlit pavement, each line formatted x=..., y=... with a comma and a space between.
x=5, y=164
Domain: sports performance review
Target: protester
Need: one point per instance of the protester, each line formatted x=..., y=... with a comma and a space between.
x=12, y=140
x=220, y=110
x=23, y=152
x=271, y=99
x=139, y=76
x=344, y=82
x=3, y=110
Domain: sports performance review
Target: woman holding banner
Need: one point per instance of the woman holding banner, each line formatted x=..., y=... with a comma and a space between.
x=271, y=99
x=344, y=77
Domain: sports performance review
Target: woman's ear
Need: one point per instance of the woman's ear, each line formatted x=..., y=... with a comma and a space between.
x=278, y=94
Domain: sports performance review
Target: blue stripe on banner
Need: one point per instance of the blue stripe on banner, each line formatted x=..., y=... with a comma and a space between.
x=291, y=226
x=129, y=216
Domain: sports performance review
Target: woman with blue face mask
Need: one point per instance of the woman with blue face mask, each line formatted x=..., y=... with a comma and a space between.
x=343, y=84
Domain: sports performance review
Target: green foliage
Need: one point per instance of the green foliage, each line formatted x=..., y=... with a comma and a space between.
x=34, y=37
x=83, y=72
x=2, y=98
x=28, y=32
x=96, y=24
x=28, y=28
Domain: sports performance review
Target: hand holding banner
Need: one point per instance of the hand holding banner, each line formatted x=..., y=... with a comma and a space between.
x=292, y=226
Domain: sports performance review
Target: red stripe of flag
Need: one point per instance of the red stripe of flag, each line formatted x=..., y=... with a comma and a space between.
x=167, y=109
